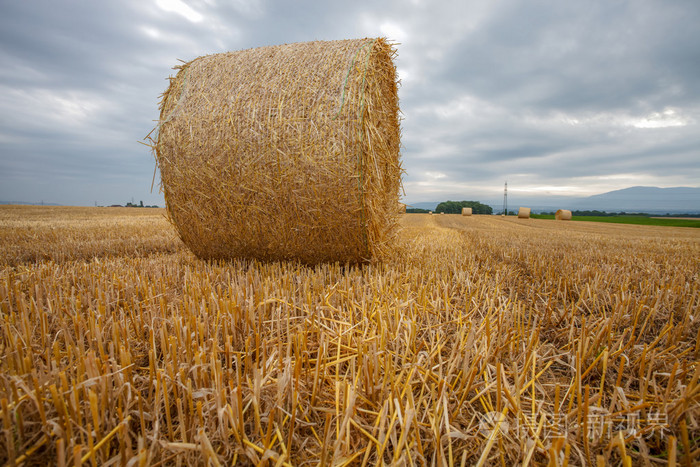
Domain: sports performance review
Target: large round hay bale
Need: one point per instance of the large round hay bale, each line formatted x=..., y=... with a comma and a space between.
x=466, y=211
x=523, y=213
x=284, y=152
x=562, y=215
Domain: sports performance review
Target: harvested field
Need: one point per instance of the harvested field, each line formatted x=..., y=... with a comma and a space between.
x=483, y=341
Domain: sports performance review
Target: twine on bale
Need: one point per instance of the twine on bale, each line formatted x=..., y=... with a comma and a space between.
x=347, y=76
x=179, y=99
x=284, y=152
x=359, y=155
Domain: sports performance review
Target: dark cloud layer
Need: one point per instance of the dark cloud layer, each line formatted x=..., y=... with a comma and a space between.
x=563, y=97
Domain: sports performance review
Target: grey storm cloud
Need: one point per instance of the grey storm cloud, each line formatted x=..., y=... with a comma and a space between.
x=580, y=97
x=581, y=55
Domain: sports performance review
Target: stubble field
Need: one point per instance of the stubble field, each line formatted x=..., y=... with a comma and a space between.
x=482, y=340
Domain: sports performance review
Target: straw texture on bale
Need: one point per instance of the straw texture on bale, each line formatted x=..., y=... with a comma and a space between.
x=562, y=215
x=284, y=152
x=402, y=208
x=466, y=211
x=523, y=213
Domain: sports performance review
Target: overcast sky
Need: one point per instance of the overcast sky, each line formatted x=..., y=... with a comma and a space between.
x=557, y=97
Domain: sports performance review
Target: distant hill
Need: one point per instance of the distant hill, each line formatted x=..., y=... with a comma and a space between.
x=643, y=199
x=29, y=204
x=429, y=205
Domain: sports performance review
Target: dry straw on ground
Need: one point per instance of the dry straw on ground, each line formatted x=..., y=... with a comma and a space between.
x=284, y=152
x=523, y=213
x=581, y=338
x=563, y=215
x=466, y=211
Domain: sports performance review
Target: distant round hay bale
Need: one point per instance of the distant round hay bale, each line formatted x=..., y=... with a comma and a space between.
x=402, y=208
x=284, y=152
x=466, y=211
x=523, y=213
x=562, y=215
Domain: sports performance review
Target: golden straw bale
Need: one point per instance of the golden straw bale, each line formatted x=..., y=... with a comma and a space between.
x=563, y=215
x=402, y=208
x=466, y=211
x=523, y=213
x=284, y=152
